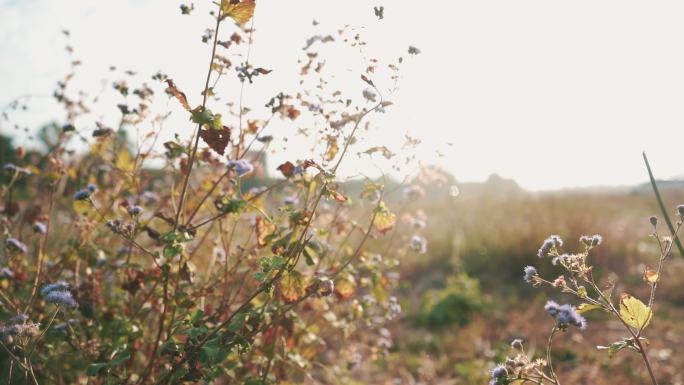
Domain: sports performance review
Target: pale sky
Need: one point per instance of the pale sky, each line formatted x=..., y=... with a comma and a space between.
x=552, y=94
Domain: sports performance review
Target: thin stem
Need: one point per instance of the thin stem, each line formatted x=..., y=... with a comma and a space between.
x=199, y=126
x=548, y=355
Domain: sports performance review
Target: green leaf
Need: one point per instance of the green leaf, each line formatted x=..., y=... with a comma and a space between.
x=615, y=347
x=634, y=312
x=204, y=116
x=94, y=369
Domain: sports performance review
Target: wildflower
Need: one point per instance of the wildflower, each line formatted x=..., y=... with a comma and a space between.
x=499, y=374
x=39, y=227
x=530, y=274
x=12, y=168
x=419, y=244
x=84, y=193
x=241, y=166
x=653, y=220
x=5, y=272
x=134, y=210
x=150, y=197
x=63, y=298
x=57, y=286
x=565, y=315
x=592, y=241
x=550, y=243
x=394, y=307
x=16, y=246
x=517, y=344
x=114, y=225
x=291, y=200
x=560, y=259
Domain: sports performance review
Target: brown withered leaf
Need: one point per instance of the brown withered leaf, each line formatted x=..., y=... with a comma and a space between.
x=651, y=276
x=292, y=113
x=178, y=94
x=263, y=229
x=287, y=169
x=365, y=79
x=382, y=149
x=216, y=139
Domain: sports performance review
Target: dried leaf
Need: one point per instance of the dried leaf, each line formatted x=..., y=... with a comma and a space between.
x=365, y=79
x=292, y=113
x=292, y=286
x=216, y=139
x=651, y=276
x=287, y=169
x=383, y=149
x=178, y=94
x=263, y=230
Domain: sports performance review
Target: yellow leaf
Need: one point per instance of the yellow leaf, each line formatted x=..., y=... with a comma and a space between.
x=384, y=219
x=241, y=12
x=585, y=307
x=345, y=288
x=292, y=286
x=124, y=161
x=651, y=276
x=634, y=312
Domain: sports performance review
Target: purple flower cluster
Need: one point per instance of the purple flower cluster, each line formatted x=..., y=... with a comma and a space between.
x=565, y=315
x=530, y=273
x=15, y=245
x=85, y=193
x=419, y=244
x=592, y=241
x=39, y=227
x=499, y=374
x=134, y=210
x=550, y=243
x=58, y=293
x=241, y=166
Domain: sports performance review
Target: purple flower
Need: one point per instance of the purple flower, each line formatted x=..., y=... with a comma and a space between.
x=565, y=315
x=241, y=166
x=57, y=286
x=83, y=194
x=592, y=241
x=15, y=245
x=419, y=244
x=135, y=210
x=5, y=272
x=63, y=298
x=517, y=344
x=549, y=244
x=39, y=227
x=291, y=200
x=530, y=273
x=499, y=374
